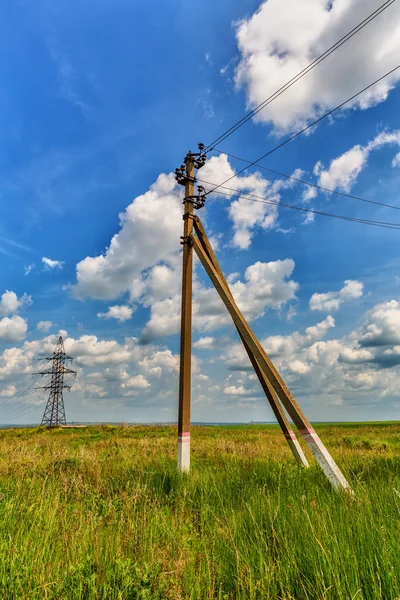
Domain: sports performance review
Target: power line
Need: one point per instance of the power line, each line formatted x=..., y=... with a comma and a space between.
x=254, y=198
x=299, y=75
x=308, y=183
x=19, y=394
x=26, y=409
x=295, y=135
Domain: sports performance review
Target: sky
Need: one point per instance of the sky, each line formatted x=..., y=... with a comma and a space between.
x=99, y=103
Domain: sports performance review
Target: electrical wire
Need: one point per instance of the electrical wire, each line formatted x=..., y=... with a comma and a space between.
x=255, y=198
x=299, y=75
x=19, y=394
x=308, y=183
x=21, y=411
x=295, y=135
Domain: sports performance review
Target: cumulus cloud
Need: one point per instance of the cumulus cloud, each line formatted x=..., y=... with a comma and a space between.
x=135, y=247
x=281, y=39
x=247, y=216
x=120, y=312
x=148, y=267
x=13, y=329
x=44, y=326
x=235, y=391
x=50, y=264
x=331, y=301
x=363, y=365
x=265, y=285
x=382, y=326
x=204, y=343
x=275, y=346
x=343, y=171
x=10, y=303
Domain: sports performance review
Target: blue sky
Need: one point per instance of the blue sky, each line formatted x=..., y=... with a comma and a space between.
x=99, y=103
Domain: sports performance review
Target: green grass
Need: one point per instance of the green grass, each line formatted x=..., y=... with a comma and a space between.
x=101, y=513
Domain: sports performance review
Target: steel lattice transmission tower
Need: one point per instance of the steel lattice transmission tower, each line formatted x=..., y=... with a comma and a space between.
x=54, y=413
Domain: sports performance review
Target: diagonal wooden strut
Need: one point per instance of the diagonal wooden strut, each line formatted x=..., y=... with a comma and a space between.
x=305, y=428
x=265, y=384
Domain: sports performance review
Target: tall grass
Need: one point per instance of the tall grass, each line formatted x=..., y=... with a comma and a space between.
x=101, y=513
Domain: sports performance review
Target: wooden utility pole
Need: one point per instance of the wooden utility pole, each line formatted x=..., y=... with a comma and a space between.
x=272, y=383
x=186, y=176
x=186, y=324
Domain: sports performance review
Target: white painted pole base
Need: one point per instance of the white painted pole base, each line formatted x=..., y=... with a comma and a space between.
x=184, y=453
x=325, y=460
x=296, y=449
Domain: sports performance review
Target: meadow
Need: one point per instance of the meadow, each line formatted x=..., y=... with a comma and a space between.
x=101, y=513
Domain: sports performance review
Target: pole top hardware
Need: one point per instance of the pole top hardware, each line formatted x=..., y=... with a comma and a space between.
x=180, y=174
x=199, y=160
x=198, y=200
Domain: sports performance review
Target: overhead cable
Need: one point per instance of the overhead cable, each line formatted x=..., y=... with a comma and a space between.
x=254, y=198
x=308, y=183
x=299, y=75
x=295, y=135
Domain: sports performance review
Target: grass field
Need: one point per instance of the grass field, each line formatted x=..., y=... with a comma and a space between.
x=100, y=513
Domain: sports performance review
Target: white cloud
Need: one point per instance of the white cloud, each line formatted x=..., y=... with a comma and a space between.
x=52, y=264
x=382, y=326
x=279, y=345
x=164, y=320
x=235, y=391
x=8, y=392
x=204, y=343
x=136, y=382
x=331, y=301
x=247, y=216
x=135, y=247
x=161, y=361
x=265, y=285
x=13, y=329
x=396, y=160
x=343, y=171
x=124, y=370
x=28, y=268
x=44, y=326
x=280, y=39
x=9, y=303
x=121, y=313
x=299, y=367
x=308, y=194
x=89, y=351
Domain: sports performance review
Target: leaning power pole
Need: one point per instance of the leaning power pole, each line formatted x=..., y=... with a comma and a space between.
x=54, y=413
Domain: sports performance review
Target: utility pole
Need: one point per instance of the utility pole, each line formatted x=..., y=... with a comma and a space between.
x=186, y=176
x=54, y=413
x=276, y=391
